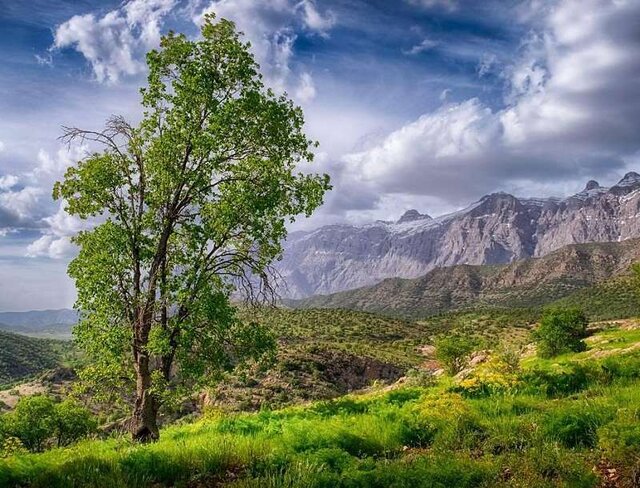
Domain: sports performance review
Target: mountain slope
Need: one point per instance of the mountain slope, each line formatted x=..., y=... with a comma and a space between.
x=39, y=322
x=22, y=357
x=498, y=229
x=525, y=283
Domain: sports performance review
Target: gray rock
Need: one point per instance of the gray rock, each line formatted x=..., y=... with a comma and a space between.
x=498, y=229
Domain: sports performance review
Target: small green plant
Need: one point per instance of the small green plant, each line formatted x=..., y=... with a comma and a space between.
x=453, y=352
x=560, y=331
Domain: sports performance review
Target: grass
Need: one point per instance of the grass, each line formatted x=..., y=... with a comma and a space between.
x=405, y=437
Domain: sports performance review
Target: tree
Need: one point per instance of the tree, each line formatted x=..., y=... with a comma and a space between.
x=32, y=421
x=453, y=352
x=72, y=421
x=193, y=204
x=561, y=330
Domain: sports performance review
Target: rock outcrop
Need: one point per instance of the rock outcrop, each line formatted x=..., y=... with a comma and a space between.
x=497, y=229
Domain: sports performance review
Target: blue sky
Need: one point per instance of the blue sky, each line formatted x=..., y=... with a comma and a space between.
x=425, y=104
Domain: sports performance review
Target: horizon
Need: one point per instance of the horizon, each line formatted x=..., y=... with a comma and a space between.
x=425, y=104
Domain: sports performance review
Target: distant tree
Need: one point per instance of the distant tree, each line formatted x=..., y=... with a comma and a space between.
x=561, y=330
x=72, y=421
x=193, y=204
x=32, y=421
x=453, y=352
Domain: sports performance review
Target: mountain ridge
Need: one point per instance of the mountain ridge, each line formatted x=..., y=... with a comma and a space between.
x=497, y=229
x=526, y=283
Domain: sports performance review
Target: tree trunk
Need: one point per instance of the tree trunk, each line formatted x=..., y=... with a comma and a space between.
x=144, y=423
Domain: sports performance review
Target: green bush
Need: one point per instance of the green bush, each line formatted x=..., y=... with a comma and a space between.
x=72, y=422
x=560, y=331
x=33, y=421
x=453, y=352
x=38, y=421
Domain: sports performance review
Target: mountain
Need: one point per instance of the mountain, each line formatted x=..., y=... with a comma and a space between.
x=22, y=357
x=39, y=322
x=526, y=283
x=497, y=229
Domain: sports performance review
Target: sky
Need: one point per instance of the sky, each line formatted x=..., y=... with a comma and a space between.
x=425, y=104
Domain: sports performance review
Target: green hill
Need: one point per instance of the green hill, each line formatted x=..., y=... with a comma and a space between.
x=23, y=357
x=571, y=421
x=582, y=269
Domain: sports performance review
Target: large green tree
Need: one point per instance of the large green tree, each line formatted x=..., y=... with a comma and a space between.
x=192, y=205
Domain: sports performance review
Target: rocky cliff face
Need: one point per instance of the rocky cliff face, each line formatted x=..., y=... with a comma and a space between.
x=497, y=229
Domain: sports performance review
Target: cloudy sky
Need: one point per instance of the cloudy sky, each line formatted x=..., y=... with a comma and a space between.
x=425, y=104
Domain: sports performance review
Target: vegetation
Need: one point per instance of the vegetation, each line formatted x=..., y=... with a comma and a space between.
x=24, y=357
x=38, y=421
x=561, y=330
x=194, y=204
x=570, y=421
x=594, y=277
x=453, y=352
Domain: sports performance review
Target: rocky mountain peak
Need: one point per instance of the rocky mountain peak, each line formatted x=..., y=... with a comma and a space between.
x=591, y=185
x=631, y=178
x=413, y=215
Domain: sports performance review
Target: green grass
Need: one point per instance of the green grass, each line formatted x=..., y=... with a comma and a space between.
x=406, y=437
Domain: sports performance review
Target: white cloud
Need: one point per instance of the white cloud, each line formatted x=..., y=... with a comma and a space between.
x=569, y=113
x=314, y=20
x=8, y=181
x=56, y=243
x=1, y=146
x=425, y=45
x=115, y=43
x=306, y=90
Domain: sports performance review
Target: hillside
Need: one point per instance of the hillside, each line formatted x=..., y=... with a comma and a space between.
x=497, y=229
x=51, y=323
x=539, y=423
x=580, y=268
x=23, y=357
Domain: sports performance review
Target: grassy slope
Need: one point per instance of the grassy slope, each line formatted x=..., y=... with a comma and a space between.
x=22, y=357
x=326, y=353
x=573, y=435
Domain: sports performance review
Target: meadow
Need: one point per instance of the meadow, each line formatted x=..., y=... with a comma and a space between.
x=568, y=421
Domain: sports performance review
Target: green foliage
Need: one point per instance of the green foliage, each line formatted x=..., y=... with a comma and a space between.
x=38, y=421
x=453, y=352
x=561, y=330
x=576, y=425
x=23, y=357
x=411, y=437
x=33, y=421
x=72, y=422
x=193, y=205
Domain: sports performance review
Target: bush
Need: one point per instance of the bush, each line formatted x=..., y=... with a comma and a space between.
x=576, y=377
x=453, y=352
x=32, y=421
x=37, y=421
x=72, y=422
x=560, y=331
x=494, y=376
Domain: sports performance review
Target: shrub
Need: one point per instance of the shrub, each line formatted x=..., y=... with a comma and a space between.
x=576, y=377
x=32, y=421
x=453, y=352
x=492, y=377
x=37, y=421
x=560, y=331
x=72, y=422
